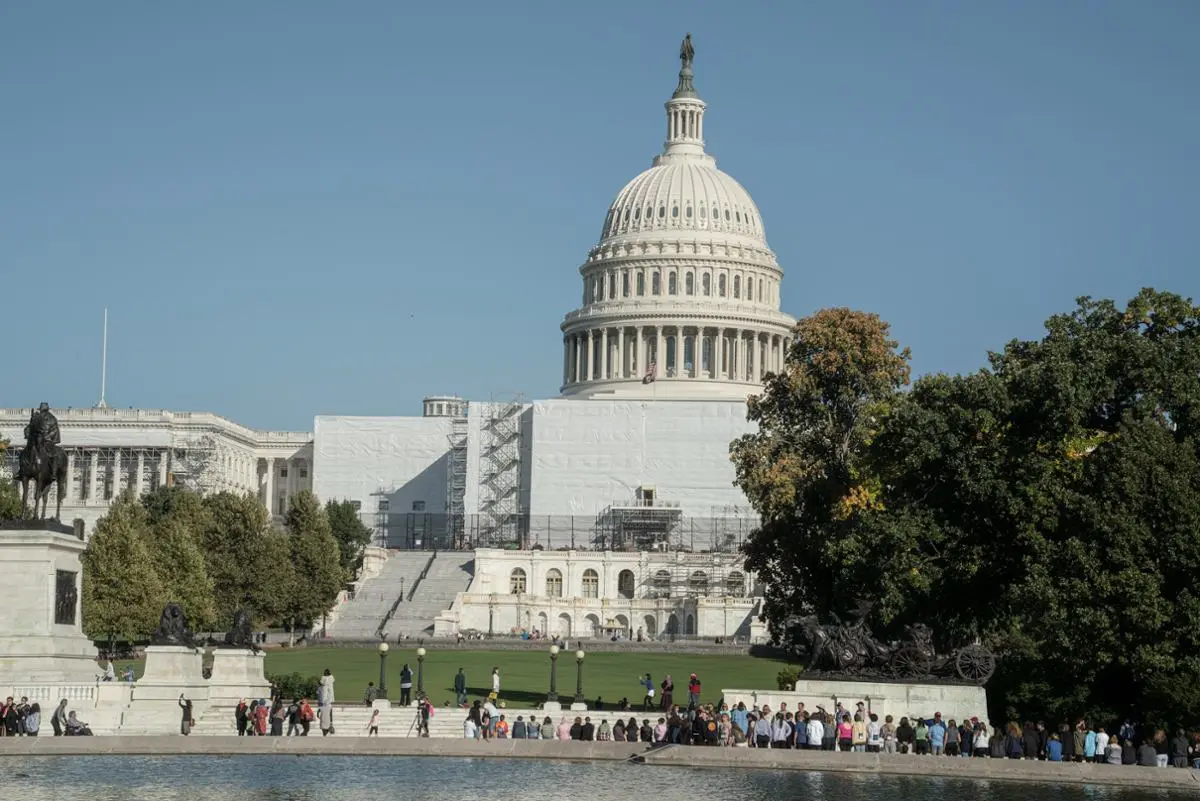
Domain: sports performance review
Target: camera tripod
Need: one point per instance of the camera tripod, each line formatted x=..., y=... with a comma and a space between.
x=418, y=724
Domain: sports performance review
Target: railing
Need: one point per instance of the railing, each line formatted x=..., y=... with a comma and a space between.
x=412, y=591
x=53, y=693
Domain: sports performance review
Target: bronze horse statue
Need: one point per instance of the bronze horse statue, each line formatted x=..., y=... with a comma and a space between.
x=43, y=473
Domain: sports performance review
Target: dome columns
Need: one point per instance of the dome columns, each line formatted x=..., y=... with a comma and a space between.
x=699, y=350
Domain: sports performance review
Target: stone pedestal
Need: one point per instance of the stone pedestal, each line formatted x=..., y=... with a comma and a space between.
x=552, y=707
x=957, y=701
x=237, y=674
x=171, y=671
x=41, y=631
x=578, y=706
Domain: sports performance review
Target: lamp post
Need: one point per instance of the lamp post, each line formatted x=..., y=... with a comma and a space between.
x=420, y=672
x=383, y=649
x=552, y=696
x=579, y=676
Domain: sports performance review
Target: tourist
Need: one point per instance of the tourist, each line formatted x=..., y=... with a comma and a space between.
x=890, y=733
x=307, y=716
x=406, y=681
x=293, y=718
x=1102, y=739
x=1031, y=743
x=845, y=733
x=548, y=729
x=518, y=729
x=186, y=723
x=475, y=713
x=495, y=684
x=937, y=735
x=325, y=689
x=33, y=720
x=491, y=718
x=921, y=738
x=762, y=733
x=1179, y=749
x=1089, y=744
x=648, y=683
x=75, y=727
x=1054, y=749
x=239, y=717
x=1147, y=756
x=262, y=714
x=980, y=739
x=587, y=732
x=574, y=730
x=1161, y=755
x=1128, y=753
x=693, y=691
x=647, y=731
x=501, y=728
x=858, y=733
x=604, y=734
x=373, y=724
x=324, y=719
x=874, y=735
x=668, y=693
x=781, y=730
x=1113, y=752
x=424, y=713
x=369, y=696
x=816, y=731
x=460, y=688
x=470, y=729
x=278, y=716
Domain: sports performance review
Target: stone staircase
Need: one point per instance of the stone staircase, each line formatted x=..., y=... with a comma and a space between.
x=449, y=573
x=359, y=618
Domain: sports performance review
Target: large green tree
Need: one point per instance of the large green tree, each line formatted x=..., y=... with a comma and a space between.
x=351, y=534
x=1049, y=505
x=316, y=558
x=232, y=539
x=802, y=469
x=10, y=498
x=123, y=595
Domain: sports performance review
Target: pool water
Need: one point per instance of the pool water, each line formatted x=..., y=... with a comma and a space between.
x=322, y=778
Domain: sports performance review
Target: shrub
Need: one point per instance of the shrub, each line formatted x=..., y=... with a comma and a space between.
x=294, y=685
x=786, y=679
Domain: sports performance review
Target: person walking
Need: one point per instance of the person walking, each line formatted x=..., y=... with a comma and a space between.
x=460, y=687
x=405, y=685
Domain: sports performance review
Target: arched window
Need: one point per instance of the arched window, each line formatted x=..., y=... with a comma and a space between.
x=672, y=283
x=625, y=283
x=726, y=215
x=591, y=584
x=689, y=212
x=662, y=584
x=595, y=289
x=612, y=285
x=735, y=585
x=689, y=284
x=554, y=583
x=656, y=283
x=737, y=286
x=662, y=212
x=516, y=582
x=674, y=212
x=641, y=283
x=706, y=283
x=716, y=212
x=689, y=354
x=749, y=288
x=703, y=212
x=637, y=213
x=625, y=584
x=721, y=285
x=698, y=583
x=706, y=354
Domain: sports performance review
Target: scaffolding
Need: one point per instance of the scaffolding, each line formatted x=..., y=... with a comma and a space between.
x=383, y=512
x=500, y=473
x=643, y=524
x=699, y=575
x=193, y=462
x=456, y=478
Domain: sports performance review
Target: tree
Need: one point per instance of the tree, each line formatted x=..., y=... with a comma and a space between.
x=10, y=498
x=1049, y=505
x=351, y=534
x=232, y=540
x=123, y=596
x=802, y=469
x=316, y=557
x=273, y=596
x=184, y=574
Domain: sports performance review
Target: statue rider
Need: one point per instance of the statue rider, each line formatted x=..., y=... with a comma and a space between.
x=44, y=436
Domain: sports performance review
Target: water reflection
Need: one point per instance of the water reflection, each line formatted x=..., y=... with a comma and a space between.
x=317, y=778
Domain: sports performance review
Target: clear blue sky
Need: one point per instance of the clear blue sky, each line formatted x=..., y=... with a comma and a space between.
x=299, y=208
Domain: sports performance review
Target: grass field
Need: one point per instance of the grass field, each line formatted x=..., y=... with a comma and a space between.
x=525, y=675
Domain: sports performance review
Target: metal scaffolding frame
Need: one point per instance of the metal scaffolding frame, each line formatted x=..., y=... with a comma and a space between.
x=456, y=476
x=699, y=575
x=500, y=472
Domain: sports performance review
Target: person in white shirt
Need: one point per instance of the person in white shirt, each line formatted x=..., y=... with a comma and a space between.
x=874, y=734
x=816, y=732
x=469, y=731
x=496, y=681
x=1101, y=745
x=781, y=730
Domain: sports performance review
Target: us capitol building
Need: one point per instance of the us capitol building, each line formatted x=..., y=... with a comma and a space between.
x=609, y=509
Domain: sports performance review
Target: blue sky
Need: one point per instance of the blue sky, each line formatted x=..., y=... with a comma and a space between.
x=299, y=208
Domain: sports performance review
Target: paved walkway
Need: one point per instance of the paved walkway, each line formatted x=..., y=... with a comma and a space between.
x=743, y=758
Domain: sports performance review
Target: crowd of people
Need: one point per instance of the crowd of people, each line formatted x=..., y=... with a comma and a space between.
x=24, y=719
x=842, y=730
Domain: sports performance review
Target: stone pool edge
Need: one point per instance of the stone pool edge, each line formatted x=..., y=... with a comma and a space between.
x=711, y=758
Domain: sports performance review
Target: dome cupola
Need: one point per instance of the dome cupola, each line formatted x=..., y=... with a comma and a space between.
x=681, y=293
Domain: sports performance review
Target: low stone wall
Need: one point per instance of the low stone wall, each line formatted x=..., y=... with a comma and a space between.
x=956, y=702
x=591, y=646
x=675, y=756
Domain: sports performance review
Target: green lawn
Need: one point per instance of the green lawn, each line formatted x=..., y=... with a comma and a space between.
x=525, y=675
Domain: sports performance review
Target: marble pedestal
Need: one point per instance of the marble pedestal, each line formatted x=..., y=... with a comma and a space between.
x=237, y=673
x=43, y=651
x=171, y=671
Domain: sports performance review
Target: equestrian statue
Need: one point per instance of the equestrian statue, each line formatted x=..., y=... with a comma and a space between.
x=44, y=462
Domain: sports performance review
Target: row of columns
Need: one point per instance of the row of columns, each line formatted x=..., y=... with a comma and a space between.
x=657, y=282
x=685, y=123
x=626, y=352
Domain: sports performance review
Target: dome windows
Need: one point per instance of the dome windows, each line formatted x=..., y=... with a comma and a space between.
x=689, y=212
x=637, y=213
x=721, y=285
x=716, y=212
x=656, y=283
x=641, y=283
x=749, y=288
x=689, y=284
x=703, y=212
x=672, y=284
x=649, y=212
x=706, y=284
x=737, y=286
x=625, y=283
x=726, y=215
x=738, y=216
x=674, y=212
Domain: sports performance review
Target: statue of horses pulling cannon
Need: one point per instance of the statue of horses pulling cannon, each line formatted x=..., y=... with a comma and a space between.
x=849, y=649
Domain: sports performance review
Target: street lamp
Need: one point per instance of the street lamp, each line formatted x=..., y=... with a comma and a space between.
x=579, y=676
x=383, y=649
x=420, y=672
x=552, y=696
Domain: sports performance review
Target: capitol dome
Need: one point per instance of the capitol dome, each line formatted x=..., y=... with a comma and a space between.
x=681, y=293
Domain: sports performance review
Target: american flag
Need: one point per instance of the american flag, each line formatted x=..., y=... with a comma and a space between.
x=651, y=373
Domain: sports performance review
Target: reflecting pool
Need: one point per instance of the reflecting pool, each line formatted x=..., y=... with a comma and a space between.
x=321, y=778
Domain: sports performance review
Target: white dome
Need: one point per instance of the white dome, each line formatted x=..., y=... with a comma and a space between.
x=684, y=194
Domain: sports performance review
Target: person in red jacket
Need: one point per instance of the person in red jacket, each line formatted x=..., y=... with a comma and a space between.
x=693, y=691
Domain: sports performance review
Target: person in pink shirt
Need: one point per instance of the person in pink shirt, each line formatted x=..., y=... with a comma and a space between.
x=564, y=730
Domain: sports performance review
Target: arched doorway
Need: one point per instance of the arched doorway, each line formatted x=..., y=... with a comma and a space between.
x=650, y=625
x=626, y=583
x=591, y=626
x=543, y=624
x=689, y=626
x=564, y=625
x=623, y=622
x=672, y=626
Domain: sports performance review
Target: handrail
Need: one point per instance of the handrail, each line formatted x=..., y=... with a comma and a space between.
x=412, y=591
